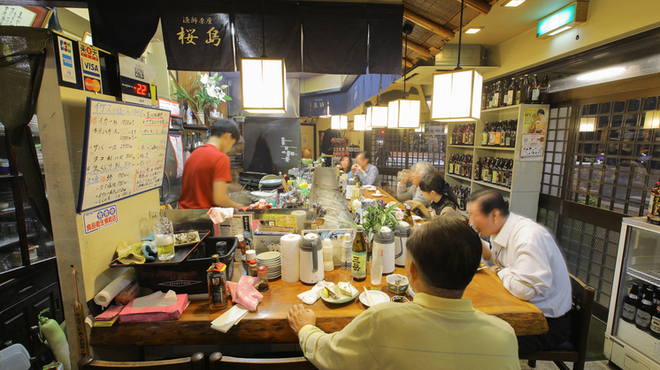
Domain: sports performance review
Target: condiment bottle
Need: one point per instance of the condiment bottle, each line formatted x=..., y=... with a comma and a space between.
x=240, y=248
x=262, y=272
x=252, y=265
x=328, y=264
x=215, y=278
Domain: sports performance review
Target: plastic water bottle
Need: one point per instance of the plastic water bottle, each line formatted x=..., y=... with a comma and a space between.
x=345, y=271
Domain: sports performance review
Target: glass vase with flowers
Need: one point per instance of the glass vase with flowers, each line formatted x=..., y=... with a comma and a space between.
x=208, y=94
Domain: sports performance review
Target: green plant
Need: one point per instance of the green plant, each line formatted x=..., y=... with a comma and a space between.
x=208, y=92
x=378, y=215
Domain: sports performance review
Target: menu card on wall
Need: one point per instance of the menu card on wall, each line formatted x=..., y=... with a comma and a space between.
x=124, y=151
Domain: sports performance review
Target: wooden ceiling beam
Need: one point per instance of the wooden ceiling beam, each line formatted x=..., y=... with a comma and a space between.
x=418, y=48
x=481, y=6
x=428, y=24
x=406, y=63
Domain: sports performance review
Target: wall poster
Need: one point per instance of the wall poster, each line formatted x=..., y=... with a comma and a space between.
x=534, y=128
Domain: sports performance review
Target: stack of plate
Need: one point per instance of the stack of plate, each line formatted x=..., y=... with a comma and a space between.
x=273, y=260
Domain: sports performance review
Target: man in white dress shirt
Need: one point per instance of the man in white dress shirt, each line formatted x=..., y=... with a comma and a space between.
x=525, y=256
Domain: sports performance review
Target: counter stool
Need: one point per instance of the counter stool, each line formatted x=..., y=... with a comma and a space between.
x=194, y=362
x=219, y=362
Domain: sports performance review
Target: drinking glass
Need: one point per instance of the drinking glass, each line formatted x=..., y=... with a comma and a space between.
x=376, y=267
x=164, y=232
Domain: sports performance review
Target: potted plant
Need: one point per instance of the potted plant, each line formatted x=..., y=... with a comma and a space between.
x=377, y=215
x=208, y=94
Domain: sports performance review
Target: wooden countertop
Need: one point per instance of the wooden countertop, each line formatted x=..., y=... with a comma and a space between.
x=269, y=324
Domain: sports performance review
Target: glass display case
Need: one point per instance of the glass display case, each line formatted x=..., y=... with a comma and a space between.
x=24, y=241
x=630, y=342
x=326, y=191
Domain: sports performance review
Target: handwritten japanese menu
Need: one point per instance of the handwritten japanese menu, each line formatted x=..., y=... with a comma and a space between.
x=125, y=148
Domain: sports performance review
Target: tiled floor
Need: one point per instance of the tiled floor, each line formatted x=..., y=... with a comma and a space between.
x=548, y=365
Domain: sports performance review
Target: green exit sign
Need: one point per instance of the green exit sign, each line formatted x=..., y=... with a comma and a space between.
x=563, y=19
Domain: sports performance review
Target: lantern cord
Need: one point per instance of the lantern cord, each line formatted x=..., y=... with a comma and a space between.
x=460, y=37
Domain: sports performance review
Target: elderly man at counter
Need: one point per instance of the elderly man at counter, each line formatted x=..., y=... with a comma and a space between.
x=207, y=171
x=419, y=170
x=366, y=172
x=525, y=256
x=438, y=327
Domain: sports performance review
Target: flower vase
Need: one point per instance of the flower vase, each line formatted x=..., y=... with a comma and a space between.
x=200, y=117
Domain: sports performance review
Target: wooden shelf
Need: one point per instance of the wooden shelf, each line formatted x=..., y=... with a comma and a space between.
x=461, y=178
x=491, y=185
x=504, y=148
x=460, y=146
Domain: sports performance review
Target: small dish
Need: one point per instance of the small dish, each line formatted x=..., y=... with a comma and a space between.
x=376, y=296
x=400, y=299
x=397, y=284
x=343, y=299
x=186, y=238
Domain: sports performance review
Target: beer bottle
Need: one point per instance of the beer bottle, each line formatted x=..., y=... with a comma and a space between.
x=543, y=90
x=645, y=309
x=525, y=93
x=653, y=214
x=477, y=169
x=655, y=322
x=511, y=92
x=630, y=303
x=408, y=217
x=516, y=99
x=505, y=93
x=359, y=256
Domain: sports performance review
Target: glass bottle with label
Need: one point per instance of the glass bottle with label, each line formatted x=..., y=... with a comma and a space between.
x=654, y=327
x=525, y=92
x=216, y=278
x=511, y=92
x=630, y=303
x=536, y=91
x=653, y=214
x=359, y=257
x=644, y=309
x=484, y=135
x=544, y=90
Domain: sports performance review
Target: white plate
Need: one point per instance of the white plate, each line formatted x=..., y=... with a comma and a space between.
x=342, y=299
x=265, y=256
x=263, y=194
x=376, y=295
x=376, y=195
x=415, y=217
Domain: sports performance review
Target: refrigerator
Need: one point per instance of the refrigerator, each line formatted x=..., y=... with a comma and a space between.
x=174, y=158
x=638, y=261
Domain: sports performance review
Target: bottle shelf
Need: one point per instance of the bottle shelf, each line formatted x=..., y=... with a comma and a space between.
x=491, y=185
x=457, y=177
x=651, y=276
x=460, y=146
x=504, y=148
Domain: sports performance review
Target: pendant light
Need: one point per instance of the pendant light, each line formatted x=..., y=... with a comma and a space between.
x=404, y=113
x=377, y=116
x=339, y=122
x=457, y=94
x=360, y=122
x=263, y=81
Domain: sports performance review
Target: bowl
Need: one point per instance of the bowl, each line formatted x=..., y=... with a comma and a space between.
x=397, y=284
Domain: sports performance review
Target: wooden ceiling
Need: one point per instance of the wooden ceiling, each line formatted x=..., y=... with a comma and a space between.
x=435, y=23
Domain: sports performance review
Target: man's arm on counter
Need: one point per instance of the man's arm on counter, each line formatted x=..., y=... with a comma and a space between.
x=368, y=177
x=220, y=198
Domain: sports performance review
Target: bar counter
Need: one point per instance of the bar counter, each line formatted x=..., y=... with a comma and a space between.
x=269, y=323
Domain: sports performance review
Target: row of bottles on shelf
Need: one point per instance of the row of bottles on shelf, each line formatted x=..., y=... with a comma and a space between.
x=341, y=148
x=193, y=141
x=500, y=133
x=463, y=134
x=523, y=90
x=643, y=308
x=498, y=171
x=460, y=165
x=462, y=194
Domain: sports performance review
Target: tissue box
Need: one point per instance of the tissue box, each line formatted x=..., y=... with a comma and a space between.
x=156, y=313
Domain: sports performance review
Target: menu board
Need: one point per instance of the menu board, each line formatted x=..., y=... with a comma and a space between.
x=124, y=151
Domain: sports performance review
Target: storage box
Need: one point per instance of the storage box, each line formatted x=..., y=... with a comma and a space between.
x=156, y=313
x=189, y=276
x=471, y=55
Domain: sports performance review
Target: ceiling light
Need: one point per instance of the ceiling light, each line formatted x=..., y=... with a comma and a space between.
x=560, y=30
x=360, y=122
x=473, y=30
x=339, y=122
x=512, y=3
x=601, y=74
x=376, y=116
x=457, y=94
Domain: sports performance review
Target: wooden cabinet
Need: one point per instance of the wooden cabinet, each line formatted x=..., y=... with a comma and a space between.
x=523, y=195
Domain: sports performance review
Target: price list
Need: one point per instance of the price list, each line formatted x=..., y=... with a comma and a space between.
x=125, y=147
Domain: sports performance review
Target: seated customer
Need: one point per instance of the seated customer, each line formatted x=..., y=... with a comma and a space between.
x=207, y=172
x=437, y=192
x=438, y=328
x=345, y=164
x=419, y=170
x=367, y=173
x=527, y=259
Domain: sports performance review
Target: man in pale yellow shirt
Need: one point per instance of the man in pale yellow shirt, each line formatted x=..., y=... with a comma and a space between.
x=437, y=330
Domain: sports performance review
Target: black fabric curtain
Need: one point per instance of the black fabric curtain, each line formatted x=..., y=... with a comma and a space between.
x=198, y=37
x=22, y=59
x=123, y=26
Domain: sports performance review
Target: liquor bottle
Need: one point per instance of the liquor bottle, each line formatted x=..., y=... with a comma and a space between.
x=525, y=93
x=216, y=278
x=645, y=309
x=653, y=214
x=516, y=92
x=496, y=95
x=485, y=171
x=630, y=304
x=484, y=135
x=543, y=92
x=511, y=92
x=359, y=256
x=503, y=133
x=509, y=178
x=477, y=169
x=514, y=124
x=484, y=96
x=457, y=164
x=408, y=215
x=654, y=327
x=491, y=134
x=505, y=93
x=450, y=167
x=507, y=140
x=345, y=269
x=495, y=171
x=535, y=90
x=489, y=98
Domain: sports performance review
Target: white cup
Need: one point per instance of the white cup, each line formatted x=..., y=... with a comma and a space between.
x=250, y=255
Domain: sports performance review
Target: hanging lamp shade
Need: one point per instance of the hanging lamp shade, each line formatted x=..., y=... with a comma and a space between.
x=403, y=113
x=263, y=83
x=360, y=122
x=339, y=122
x=456, y=96
x=377, y=116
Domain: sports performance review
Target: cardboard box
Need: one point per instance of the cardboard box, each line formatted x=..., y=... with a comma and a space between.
x=157, y=313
